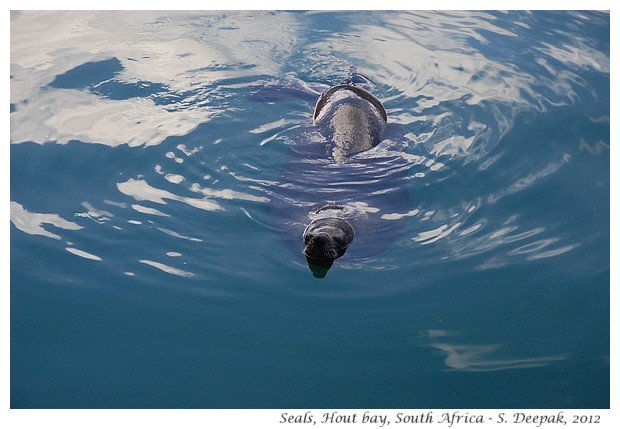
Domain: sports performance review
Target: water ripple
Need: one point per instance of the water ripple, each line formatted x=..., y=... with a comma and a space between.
x=32, y=223
x=228, y=100
x=164, y=166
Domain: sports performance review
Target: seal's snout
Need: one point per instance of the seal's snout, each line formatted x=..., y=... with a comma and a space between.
x=321, y=246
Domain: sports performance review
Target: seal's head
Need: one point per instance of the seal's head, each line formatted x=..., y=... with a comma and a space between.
x=326, y=239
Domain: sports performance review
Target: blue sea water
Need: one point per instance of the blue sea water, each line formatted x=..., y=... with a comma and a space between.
x=164, y=164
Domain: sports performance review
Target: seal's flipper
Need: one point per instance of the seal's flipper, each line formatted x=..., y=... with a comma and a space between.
x=283, y=91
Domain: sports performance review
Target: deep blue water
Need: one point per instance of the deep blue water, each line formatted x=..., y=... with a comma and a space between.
x=163, y=166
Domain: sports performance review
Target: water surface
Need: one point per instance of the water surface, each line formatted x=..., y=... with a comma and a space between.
x=163, y=166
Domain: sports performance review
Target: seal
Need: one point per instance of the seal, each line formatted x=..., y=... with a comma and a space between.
x=353, y=121
x=331, y=161
x=326, y=239
x=351, y=118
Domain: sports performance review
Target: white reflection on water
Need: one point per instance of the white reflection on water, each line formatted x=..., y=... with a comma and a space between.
x=534, y=249
x=32, y=223
x=579, y=55
x=62, y=115
x=99, y=216
x=181, y=51
x=428, y=60
x=172, y=155
x=481, y=357
x=553, y=252
x=167, y=269
x=428, y=237
x=227, y=194
x=148, y=210
x=471, y=241
x=140, y=190
x=398, y=216
x=83, y=254
x=177, y=235
x=530, y=178
x=174, y=178
x=187, y=52
x=170, y=177
x=439, y=58
x=595, y=148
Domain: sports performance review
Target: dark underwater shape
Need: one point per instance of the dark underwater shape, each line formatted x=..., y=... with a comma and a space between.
x=88, y=74
x=323, y=173
x=99, y=77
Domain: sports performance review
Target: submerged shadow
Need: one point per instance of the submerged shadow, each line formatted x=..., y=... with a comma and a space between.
x=319, y=267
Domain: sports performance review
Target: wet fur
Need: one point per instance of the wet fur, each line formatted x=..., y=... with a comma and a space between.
x=327, y=238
